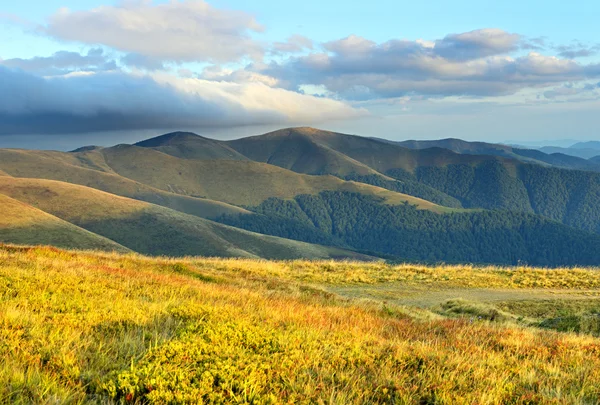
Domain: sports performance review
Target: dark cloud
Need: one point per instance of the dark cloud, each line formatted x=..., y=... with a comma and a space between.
x=88, y=102
x=64, y=62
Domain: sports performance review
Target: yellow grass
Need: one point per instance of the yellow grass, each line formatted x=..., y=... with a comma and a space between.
x=81, y=327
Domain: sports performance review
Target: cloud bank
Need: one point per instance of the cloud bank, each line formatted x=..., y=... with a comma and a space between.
x=104, y=101
x=476, y=63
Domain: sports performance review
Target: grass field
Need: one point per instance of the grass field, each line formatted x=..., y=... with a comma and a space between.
x=84, y=327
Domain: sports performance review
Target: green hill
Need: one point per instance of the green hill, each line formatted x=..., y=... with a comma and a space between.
x=90, y=169
x=23, y=224
x=232, y=181
x=404, y=232
x=296, y=149
x=151, y=229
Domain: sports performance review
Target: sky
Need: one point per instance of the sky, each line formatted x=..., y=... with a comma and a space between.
x=80, y=72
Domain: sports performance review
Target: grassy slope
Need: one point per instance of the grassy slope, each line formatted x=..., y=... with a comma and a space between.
x=191, y=146
x=81, y=327
x=23, y=224
x=89, y=169
x=235, y=182
x=377, y=155
x=296, y=150
x=152, y=229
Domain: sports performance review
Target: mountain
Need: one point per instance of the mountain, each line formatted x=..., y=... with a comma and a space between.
x=402, y=231
x=560, y=158
x=583, y=153
x=191, y=146
x=23, y=224
x=587, y=145
x=319, y=194
x=232, y=181
x=472, y=180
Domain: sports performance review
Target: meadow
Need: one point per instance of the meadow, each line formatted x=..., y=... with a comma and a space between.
x=87, y=327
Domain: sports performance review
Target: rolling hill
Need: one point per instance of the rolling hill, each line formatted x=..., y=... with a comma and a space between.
x=243, y=183
x=319, y=187
x=89, y=168
x=151, y=229
x=21, y=223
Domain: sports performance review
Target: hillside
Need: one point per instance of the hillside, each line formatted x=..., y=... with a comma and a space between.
x=408, y=234
x=562, y=160
x=90, y=169
x=151, y=229
x=23, y=224
x=191, y=146
x=584, y=153
x=88, y=328
x=242, y=183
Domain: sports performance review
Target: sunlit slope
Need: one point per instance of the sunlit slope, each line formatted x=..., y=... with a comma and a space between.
x=89, y=328
x=244, y=183
x=374, y=154
x=151, y=229
x=297, y=150
x=23, y=224
x=89, y=169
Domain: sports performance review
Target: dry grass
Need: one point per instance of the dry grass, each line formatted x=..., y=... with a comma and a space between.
x=80, y=327
x=444, y=276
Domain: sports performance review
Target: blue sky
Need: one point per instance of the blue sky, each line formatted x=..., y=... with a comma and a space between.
x=484, y=70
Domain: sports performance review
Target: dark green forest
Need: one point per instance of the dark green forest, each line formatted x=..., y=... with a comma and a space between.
x=567, y=196
x=407, y=233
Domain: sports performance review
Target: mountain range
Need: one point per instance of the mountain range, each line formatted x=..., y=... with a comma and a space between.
x=308, y=193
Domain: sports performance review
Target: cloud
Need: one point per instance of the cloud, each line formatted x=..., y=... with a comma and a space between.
x=476, y=63
x=295, y=43
x=142, y=62
x=570, y=90
x=577, y=50
x=63, y=62
x=477, y=44
x=119, y=101
x=179, y=31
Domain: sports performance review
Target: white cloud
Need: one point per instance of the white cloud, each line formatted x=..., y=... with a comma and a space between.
x=189, y=30
x=476, y=63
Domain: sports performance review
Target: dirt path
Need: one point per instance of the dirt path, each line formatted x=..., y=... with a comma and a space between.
x=421, y=296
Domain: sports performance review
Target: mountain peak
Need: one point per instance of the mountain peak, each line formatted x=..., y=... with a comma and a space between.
x=169, y=139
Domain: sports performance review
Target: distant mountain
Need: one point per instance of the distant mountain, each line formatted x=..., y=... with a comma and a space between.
x=562, y=159
x=587, y=145
x=318, y=194
x=583, y=153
